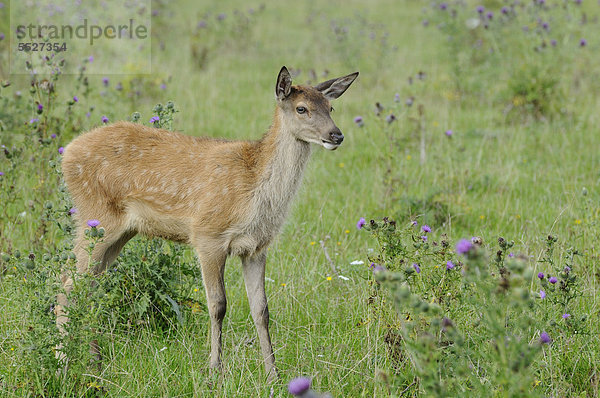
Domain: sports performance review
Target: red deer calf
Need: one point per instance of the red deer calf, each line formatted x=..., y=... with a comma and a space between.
x=222, y=197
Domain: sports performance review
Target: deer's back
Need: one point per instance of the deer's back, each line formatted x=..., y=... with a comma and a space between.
x=149, y=175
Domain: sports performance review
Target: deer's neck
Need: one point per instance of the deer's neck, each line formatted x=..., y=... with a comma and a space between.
x=279, y=163
x=283, y=164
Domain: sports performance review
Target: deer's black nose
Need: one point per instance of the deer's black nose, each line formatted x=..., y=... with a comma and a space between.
x=336, y=136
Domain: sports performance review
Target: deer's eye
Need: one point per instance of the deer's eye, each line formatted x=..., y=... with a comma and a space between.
x=301, y=109
x=331, y=110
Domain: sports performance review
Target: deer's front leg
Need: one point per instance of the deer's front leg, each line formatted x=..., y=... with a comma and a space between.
x=213, y=267
x=254, y=278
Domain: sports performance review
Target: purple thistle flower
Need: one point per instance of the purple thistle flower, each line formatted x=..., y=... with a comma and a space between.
x=541, y=275
x=2, y=36
x=545, y=26
x=93, y=223
x=299, y=386
x=417, y=268
x=450, y=265
x=504, y=10
x=582, y=43
x=201, y=24
x=414, y=223
x=163, y=86
x=463, y=246
x=542, y=294
x=511, y=254
x=53, y=136
x=552, y=279
x=104, y=119
x=443, y=6
x=448, y=133
x=578, y=2
x=390, y=118
x=567, y=270
x=553, y=42
x=73, y=210
x=88, y=114
x=566, y=316
x=221, y=16
x=490, y=15
x=425, y=22
x=480, y=9
x=378, y=268
x=91, y=59
x=105, y=81
x=397, y=97
x=424, y=237
x=544, y=338
x=361, y=223
x=61, y=150
x=75, y=98
x=541, y=2
x=40, y=107
x=359, y=121
x=426, y=228
x=1, y=173
x=154, y=119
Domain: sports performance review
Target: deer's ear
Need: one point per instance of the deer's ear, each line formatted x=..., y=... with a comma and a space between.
x=333, y=88
x=284, y=84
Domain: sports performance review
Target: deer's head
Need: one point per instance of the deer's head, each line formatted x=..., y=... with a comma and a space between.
x=306, y=110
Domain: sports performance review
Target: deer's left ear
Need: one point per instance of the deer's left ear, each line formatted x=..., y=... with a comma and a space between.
x=333, y=88
x=284, y=84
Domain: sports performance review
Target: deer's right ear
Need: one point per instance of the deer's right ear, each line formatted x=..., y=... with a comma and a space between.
x=284, y=84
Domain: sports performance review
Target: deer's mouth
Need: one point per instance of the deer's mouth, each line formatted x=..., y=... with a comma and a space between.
x=329, y=145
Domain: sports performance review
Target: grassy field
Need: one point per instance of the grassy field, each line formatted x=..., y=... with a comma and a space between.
x=495, y=133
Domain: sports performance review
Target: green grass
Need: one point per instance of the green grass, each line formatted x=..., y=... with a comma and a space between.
x=512, y=174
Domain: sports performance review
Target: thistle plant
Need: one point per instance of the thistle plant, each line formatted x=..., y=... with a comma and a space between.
x=464, y=321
